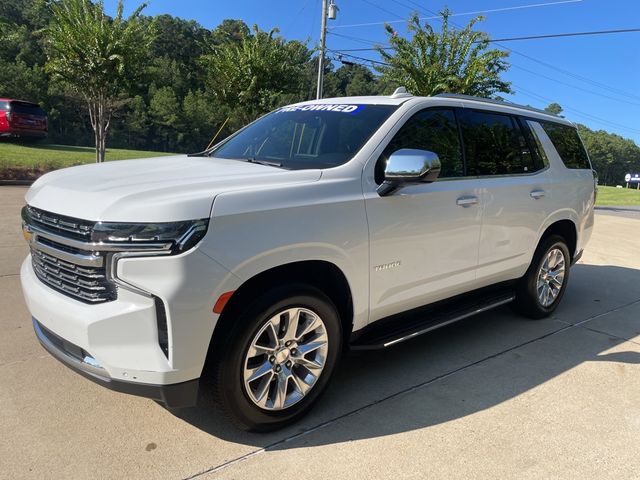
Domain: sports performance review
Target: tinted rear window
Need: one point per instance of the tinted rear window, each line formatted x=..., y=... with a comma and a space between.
x=27, y=108
x=568, y=145
x=495, y=145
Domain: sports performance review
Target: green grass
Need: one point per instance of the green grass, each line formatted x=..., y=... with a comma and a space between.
x=49, y=157
x=613, y=196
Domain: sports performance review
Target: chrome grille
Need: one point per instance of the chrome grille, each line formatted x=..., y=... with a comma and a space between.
x=87, y=284
x=60, y=224
x=60, y=260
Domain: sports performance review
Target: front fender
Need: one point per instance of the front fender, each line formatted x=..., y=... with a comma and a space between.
x=311, y=222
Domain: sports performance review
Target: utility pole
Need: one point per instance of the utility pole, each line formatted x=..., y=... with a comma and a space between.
x=323, y=38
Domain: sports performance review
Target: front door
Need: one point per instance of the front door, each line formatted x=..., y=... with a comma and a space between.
x=424, y=238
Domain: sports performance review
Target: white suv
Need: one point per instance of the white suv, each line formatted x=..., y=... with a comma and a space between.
x=351, y=223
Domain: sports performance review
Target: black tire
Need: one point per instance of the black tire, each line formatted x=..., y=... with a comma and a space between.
x=226, y=372
x=526, y=301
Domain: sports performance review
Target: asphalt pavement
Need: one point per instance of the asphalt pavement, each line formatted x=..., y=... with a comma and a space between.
x=494, y=396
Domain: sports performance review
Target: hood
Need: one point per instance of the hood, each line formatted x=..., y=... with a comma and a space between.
x=159, y=189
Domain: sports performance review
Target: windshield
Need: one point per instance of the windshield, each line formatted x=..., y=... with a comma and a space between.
x=308, y=136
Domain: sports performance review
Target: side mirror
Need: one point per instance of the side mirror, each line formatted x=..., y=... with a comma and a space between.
x=407, y=167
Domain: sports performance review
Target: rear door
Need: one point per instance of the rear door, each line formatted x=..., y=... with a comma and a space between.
x=424, y=238
x=513, y=181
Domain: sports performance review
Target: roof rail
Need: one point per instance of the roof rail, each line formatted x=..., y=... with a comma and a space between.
x=493, y=102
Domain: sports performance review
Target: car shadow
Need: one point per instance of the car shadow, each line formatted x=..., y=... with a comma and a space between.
x=464, y=368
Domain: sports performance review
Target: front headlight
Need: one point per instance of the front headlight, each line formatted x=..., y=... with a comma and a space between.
x=180, y=235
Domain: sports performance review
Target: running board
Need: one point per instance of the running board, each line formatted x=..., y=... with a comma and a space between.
x=399, y=328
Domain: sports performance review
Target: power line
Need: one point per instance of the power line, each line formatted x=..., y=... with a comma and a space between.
x=531, y=72
x=578, y=77
x=340, y=53
x=575, y=111
x=403, y=4
x=295, y=17
x=589, y=81
x=364, y=41
x=636, y=103
x=508, y=39
x=436, y=16
x=519, y=89
x=382, y=9
x=561, y=35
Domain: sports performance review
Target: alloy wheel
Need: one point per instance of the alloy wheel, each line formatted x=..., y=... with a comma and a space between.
x=550, y=277
x=285, y=358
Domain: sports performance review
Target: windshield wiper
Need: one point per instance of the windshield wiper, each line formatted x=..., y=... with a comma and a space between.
x=204, y=153
x=207, y=153
x=262, y=162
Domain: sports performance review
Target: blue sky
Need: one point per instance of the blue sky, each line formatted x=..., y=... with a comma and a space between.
x=595, y=78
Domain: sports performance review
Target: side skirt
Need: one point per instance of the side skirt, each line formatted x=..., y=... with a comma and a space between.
x=405, y=326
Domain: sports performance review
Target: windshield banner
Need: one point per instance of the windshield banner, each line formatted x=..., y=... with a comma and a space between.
x=323, y=107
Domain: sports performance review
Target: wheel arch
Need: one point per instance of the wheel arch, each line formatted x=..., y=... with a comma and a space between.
x=565, y=228
x=321, y=274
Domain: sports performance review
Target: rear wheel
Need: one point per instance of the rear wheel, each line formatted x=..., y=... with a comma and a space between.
x=540, y=290
x=278, y=359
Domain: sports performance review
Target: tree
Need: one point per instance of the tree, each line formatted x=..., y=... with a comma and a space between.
x=201, y=116
x=452, y=60
x=7, y=33
x=250, y=77
x=97, y=57
x=351, y=80
x=165, y=111
x=553, y=108
x=612, y=156
x=18, y=80
x=137, y=122
x=230, y=31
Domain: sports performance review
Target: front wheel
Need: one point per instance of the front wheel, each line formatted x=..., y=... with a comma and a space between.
x=540, y=290
x=278, y=359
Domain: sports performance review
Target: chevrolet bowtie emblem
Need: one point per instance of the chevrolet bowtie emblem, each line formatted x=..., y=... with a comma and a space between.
x=26, y=233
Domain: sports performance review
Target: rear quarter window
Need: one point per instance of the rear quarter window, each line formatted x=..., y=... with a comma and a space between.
x=568, y=145
x=4, y=105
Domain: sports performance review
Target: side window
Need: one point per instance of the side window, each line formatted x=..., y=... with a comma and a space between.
x=495, y=145
x=568, y=144
x=534, y=139
x=434, y=129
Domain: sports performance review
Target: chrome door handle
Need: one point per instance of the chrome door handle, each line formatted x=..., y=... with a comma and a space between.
x=466, y=201
x=537, y=194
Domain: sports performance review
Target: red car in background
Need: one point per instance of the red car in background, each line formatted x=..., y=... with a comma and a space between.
x=22, y=119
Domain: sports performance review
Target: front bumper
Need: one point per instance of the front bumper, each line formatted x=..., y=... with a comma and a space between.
x=121, y=336
x=182, y=394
